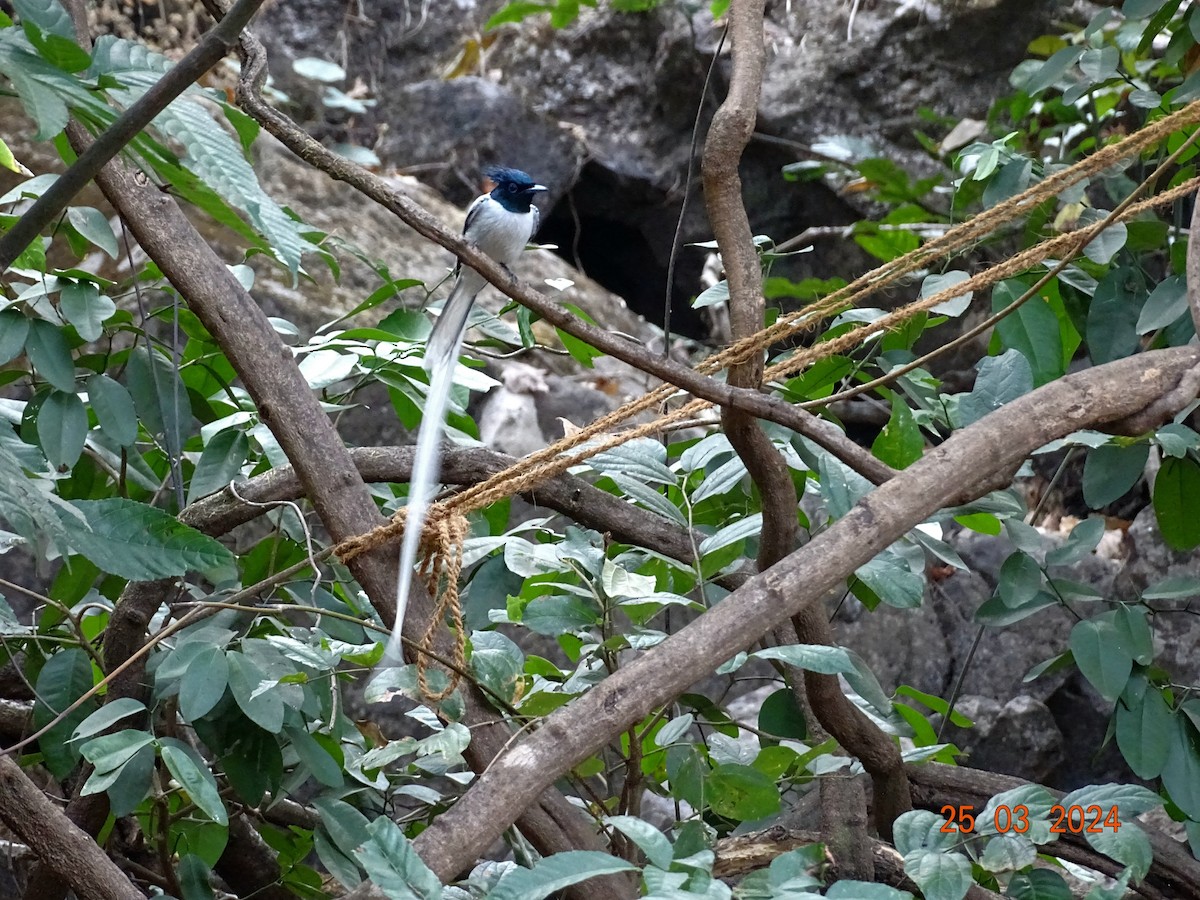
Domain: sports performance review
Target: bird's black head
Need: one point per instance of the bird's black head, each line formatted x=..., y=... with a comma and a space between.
x=513, y=189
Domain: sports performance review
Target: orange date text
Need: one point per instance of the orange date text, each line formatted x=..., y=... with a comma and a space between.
x=1015, y=819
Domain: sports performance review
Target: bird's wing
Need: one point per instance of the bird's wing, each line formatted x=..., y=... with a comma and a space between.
x=473, y=211
x=472, y=214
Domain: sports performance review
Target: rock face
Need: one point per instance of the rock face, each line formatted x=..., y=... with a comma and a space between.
x=603, y=110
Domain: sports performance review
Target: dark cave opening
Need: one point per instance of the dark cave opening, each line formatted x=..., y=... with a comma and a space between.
x=627, y=255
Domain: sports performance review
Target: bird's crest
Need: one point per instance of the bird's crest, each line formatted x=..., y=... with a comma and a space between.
x=505, y=175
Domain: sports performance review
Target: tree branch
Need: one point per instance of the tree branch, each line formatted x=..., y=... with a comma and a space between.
x=59, y=844
x=970, y=463
x=1193, y=264
x=842, y=803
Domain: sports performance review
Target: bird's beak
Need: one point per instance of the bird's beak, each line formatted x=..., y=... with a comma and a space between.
x=536, y=188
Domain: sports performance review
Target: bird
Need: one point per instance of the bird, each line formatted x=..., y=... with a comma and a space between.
x=499, y=222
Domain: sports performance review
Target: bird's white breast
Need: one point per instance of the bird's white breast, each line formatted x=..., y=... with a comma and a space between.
x=500, y=234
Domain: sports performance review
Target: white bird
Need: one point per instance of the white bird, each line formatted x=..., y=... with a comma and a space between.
x=500, y=223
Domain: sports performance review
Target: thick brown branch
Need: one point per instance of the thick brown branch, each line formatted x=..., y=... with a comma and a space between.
x=968, y=463
x=570, y=495
x=730, y=131
x=60, y=845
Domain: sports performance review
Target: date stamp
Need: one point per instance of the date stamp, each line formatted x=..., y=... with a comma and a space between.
x=1015, y=819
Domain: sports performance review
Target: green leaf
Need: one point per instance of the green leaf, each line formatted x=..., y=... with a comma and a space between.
x=315, y=758
x=111, y=751
x=1111, y=471
x=50, y=355
x=1032, y=330
x=264, y=709
x=1177, y=587
x=1166, y=303
x=194, y=881
x=82, y=304
x=66, y=676
x=996, y=613
x=1181, y=773
x=1019, y=581
x=142, y=543
x=813, y=657
x=41, y=103
x=1128, y=845
x=93, y=225
x=128, y=786
x=554, y=873
x=848, y=889
x=559, y=615
x=1101, y=656
x=864, y=682
x=1049, y=72
x=62, y=427
x=220, y=463
x=14, y=328
x=31, y=512
x=1176, y=439
x=254, y=765
x=1008, y=853
x=47, y=15
x=516, y=12
x=781, y=717
x=123, y=764
x=1132, y=625
x=1176, y=499
x=497, y=662
x=194, y=777
x=890, y=579
x=899, y=444
x=395, y=867
x=203, y=683
x=718, y=293
x=920, y=829
x=345, y=824
x=983, y=523
x=936, y=283
x=742, y=793
x=108, y=714
x=1108, y=243
x=649, y=839
x=737, y=530
x=211, y=153
x=1000, y=379
x=114, y=409
x=940, y=876
x=1039, y=884
x=998, y=812
x=341, y=866
x=1130, y=799
x=583, y=353
x=1113, y=316
x=159, y=396
x=1083, y=540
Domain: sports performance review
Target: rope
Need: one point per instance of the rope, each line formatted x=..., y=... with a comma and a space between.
x=447, y=526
